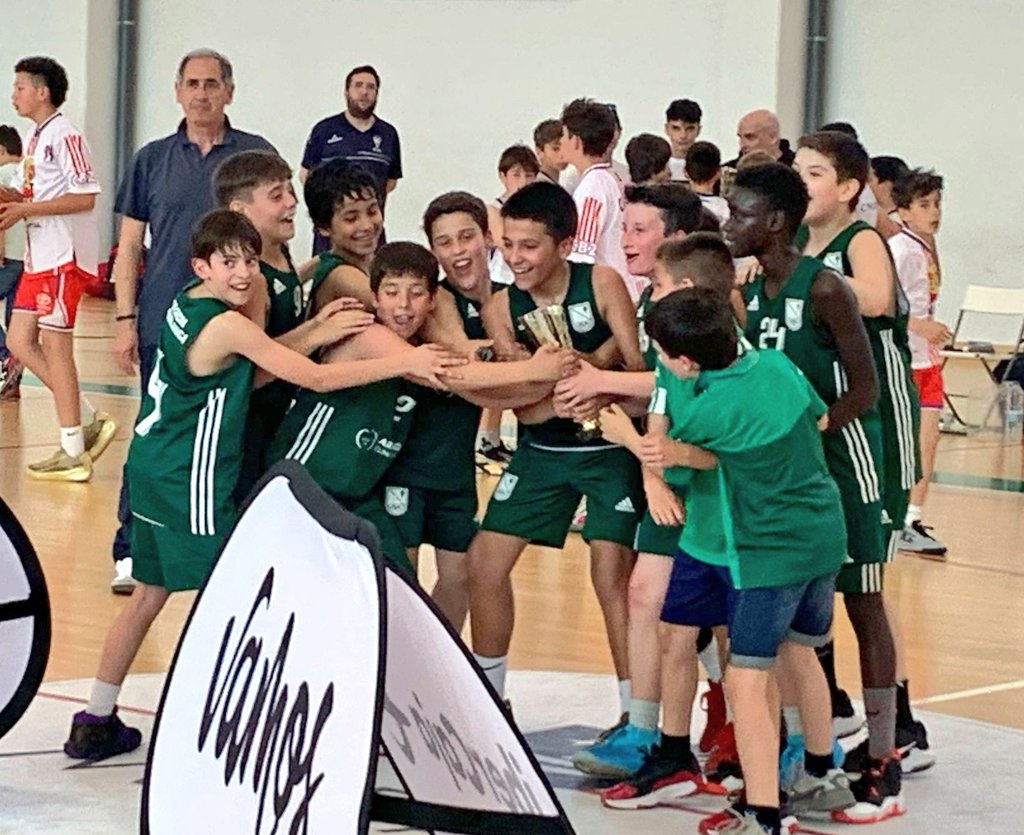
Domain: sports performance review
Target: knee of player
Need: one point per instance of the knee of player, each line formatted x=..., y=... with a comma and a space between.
x=645, y=598
x=678, y=644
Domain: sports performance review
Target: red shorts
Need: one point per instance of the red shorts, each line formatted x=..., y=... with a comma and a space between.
x=52, y=296
x=929, y=386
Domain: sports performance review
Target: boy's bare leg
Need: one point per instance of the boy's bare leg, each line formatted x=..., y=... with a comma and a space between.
x=678, y=677
x=58, y=351
x=610, y=567
x=802, y=683
x=128, y=631
x=647, y=586
x=451, y=591
x=23, y=342
x=929, y=446
x=755, y=704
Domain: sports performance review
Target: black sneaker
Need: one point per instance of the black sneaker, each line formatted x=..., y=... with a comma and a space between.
x=878, y=792
x=99, y=737
x=845, y=721
x=912, y=743
x=661, y=781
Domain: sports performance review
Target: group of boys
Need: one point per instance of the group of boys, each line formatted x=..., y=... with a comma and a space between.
x=715, y=530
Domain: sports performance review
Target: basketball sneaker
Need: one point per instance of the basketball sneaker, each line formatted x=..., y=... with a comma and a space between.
x=660, y=781
x=878, y=793
x=845, y=721
x=734, y=821
x=99, y=434
x=618, y=756
x=100, y=737
x=62, y=467
x=607, y=732
x=791, y=760
x=10, y=379
x=123, y=582
x=722, y=772
x=820, y=796
x=713, y=703
x=917, y=539
x=912, y=743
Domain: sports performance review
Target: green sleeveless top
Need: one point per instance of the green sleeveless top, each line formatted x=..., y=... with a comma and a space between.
x=646, y=346
x=287, y=310
x=186, y=451
x=439, y=451
x=588, y=331
x=325, y=265
x=348, y=438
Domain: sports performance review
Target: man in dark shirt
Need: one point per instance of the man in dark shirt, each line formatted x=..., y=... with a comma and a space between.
x=759, y=131
x=356, y=135
x=168, y=187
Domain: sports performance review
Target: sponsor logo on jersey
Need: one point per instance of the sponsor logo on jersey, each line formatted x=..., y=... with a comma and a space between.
x=794, y=314
x=396, y=500
x=505, y=486
x=834, y=261
x=581, y=317
x=369, y=440
x=886, y=518
x=626, y=505
x=472, y=312
x=279, y=287
x=755, y=304
x=335, y=138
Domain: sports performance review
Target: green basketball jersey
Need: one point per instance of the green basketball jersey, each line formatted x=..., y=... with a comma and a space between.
x=646, y=346
x=348, y=438
x=287, y=310
x=588, y=331
x=186, y=451
x=469, y=310
x=890, y=346
x=780, y=509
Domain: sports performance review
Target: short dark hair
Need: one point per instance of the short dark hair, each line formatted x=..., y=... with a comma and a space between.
x=360, y=69
x=647, y=155
x=703, y=162
x=684, y=110
x=330, y=183
x=917, y=183
x=702, y=257
x=221, y=230
x=518, y=155
x=547, y=204
x=592, y=122
x=451, y=202
x=10, y=140
x=548, y=131
x=889, y=169
x=846, y=154
x=404, y=258
x=679, y=207
x=237, y=176
x=46, y=73
x=781, y=186
x=697, y=323
x=709, y=222
x=840, y=127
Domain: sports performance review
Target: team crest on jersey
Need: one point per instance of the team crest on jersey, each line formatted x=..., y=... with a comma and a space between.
x=396, y=500
x=794, y=314
x=581, y=317
x=376, y=143
x=505, y=486
x=755, y=304
x=366, y=439
x=834, y=261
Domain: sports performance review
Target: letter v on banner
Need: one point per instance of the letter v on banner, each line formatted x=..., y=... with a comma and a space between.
x=304, y=656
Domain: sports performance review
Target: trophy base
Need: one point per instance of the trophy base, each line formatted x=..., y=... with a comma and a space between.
x=589, y=430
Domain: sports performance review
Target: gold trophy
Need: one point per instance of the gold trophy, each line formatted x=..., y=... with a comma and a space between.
x=547, y=326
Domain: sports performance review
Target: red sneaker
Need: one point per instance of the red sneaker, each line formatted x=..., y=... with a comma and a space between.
x=713, y=703
x=722, y=772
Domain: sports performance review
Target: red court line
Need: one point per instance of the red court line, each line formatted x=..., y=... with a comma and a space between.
x=80, y=701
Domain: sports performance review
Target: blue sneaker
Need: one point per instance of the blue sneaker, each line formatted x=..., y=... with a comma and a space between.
x=791, y=760
x=618, y=756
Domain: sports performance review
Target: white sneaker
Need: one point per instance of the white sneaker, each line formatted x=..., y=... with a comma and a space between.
x=123, y=582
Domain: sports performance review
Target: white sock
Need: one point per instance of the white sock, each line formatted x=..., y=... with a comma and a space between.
x=644, y=714
x=913, y=515
x=494, y=670
x=489, y=438
x=794, y=727
x=72, y=440
x=625, y=695
x=88, y=412
x=102, y=698
x=711, y=660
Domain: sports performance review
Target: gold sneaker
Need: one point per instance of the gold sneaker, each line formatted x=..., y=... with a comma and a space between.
x=99, y=434
x=62, y=467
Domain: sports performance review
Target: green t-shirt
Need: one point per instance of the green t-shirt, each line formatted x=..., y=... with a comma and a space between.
x=780, y=509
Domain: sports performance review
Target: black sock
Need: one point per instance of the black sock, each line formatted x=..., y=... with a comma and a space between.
x=904, y=716
x=675, y=747
x=827, y=659
x=766, y=816
x=817, y=765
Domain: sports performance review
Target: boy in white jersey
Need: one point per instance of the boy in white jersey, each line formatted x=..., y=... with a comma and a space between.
x=589, y=129
x=682, y=127
x=704, y=170
x=54, y=192
x=917, y=197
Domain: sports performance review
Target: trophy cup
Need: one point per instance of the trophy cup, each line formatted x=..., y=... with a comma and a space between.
x=547, y=326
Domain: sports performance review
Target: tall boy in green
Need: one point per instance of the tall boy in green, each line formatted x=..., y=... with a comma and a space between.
x=535, y=498
x=808, y=312
x=781, y=512
x=186, y=451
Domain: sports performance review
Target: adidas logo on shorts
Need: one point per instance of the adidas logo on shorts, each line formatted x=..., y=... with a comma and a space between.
x=626, y=505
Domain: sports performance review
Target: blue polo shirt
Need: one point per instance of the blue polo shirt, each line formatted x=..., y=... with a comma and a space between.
x=170, y=186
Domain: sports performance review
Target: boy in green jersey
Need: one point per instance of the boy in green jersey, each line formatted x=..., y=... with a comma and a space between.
x=187, y=446
x=808, y=312
x=779, y=513
x=535, y=498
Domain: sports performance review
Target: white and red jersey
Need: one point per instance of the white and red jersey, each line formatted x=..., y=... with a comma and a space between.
x=58, y=161
x=599, y=200
x=918, y=274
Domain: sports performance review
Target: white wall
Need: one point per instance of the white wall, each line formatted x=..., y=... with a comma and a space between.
x=462, y=79
x=937, y=82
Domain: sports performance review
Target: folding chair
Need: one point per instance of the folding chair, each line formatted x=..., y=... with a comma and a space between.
x=993, y=301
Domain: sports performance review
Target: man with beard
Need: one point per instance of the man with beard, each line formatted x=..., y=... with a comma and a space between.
x=356, y=135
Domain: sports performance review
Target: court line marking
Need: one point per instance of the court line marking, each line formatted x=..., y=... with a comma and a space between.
x=974, y=691
x=78, y=700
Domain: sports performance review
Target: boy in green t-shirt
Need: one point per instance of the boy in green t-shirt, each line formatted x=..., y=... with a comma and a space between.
x=781, y=514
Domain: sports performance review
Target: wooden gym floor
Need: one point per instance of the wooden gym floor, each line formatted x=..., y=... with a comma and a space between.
x=961, y=620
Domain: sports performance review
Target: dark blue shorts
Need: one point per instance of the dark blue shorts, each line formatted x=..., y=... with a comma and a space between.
x=698, y=593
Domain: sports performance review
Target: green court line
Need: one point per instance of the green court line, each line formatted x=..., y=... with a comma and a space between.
x=90, y=388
